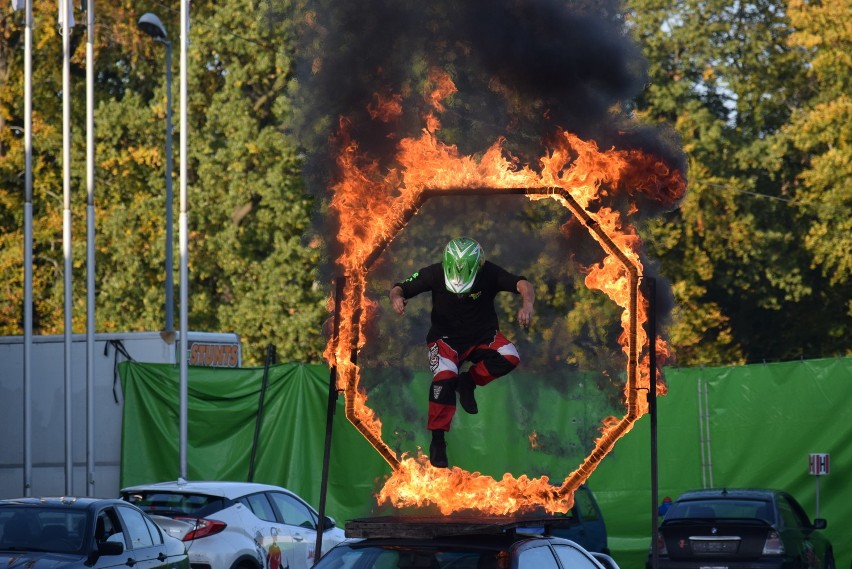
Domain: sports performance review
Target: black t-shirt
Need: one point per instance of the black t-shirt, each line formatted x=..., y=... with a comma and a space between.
x=461, y=318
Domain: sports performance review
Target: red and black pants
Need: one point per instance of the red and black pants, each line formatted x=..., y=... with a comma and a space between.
x=490, y=358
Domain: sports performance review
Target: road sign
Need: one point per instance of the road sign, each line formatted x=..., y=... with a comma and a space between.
x=819, y=464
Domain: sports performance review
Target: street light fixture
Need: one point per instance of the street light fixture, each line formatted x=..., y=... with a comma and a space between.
x=151, y=25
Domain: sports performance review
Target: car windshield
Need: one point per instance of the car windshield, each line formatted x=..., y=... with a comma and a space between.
x=728, y=508
x=175, y=503
x=38, y=528
x=393, y=557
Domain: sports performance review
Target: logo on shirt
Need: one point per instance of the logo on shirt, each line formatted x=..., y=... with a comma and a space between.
x=475, y=295
x=412, y=277
x=436, y=392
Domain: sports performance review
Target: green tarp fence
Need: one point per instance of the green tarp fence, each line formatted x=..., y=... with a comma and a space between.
x=746, y=426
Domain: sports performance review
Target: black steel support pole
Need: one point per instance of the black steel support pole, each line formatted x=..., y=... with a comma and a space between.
x=270, y=359
x=339, y=285
x=652, y=411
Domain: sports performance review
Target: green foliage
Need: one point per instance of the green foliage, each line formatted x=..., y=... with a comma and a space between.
x=758, y=252
x=250, y=271
x=254, y=273
x=738, y=250
x=820, y=132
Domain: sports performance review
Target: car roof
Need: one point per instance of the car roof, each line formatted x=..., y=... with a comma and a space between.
x=730, y=493
x=72, y=502
x=224, y=489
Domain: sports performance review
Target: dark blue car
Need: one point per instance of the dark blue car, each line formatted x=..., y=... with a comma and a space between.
x=587, y=526
x=742, y=528
x=84, y=533
x=583, y=524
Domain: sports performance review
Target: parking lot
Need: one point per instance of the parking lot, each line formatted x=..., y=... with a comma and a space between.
x=762, y=401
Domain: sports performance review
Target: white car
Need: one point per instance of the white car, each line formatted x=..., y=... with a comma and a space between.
x=236, y=525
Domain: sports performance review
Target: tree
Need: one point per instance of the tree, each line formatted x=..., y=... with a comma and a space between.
x=250, y=271
x=821, y=132
x=757, y=93
x=255, y=269
x=724, y=75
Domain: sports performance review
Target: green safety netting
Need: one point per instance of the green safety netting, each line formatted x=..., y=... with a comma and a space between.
x=752, y=425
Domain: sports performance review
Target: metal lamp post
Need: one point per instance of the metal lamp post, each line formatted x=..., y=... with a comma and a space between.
x=152, y=26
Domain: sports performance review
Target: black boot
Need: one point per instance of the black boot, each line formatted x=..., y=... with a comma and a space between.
x=465, y=390
x=438, y=450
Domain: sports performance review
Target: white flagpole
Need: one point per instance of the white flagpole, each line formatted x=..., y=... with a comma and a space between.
x=66, y=15
x=90, y=248
x=184, y=248
x=28, y=245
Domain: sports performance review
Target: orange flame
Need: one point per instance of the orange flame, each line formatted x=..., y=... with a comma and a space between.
x=385, y=107
x=373, y=206
x=416, y=483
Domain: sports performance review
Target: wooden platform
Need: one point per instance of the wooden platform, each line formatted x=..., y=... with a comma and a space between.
x=426, y=527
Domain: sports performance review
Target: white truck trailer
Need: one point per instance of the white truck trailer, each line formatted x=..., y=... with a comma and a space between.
x=56, y=450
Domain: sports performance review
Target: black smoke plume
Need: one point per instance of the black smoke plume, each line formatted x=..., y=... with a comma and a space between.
x=523, y=69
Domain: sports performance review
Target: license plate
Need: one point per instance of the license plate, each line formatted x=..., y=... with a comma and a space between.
x=713, y=546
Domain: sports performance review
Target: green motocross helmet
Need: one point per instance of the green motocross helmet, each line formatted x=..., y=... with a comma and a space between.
x=463, y=258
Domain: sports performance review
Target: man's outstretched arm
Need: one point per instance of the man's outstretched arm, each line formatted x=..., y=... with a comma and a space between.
x=525, y=313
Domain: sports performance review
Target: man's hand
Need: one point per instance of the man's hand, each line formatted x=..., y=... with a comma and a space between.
x=525, y=313
x=397, y=300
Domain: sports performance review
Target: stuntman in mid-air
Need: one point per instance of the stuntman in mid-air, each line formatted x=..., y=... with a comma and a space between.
x=464, y=328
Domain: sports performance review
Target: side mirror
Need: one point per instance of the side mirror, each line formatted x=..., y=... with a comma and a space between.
x=110, y=548
x=820, y=523
x=328, y=523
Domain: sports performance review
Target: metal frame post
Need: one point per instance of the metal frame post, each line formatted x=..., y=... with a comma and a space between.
x=651, y=285
x=356, y=289
x=340, y=285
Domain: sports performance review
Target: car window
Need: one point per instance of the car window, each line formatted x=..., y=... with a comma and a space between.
x=573, y=558
x=176, y=503
x=796, y=509
x=790, y=517
x=292, y=511
x=726, y=508
x=136, y=529
x=343, y=557
x=259, y=506
x=17, y=528
x=466, y=560
x=154, y=530
x=107, y=526
x=741, y=509
x=57, y=530
x=691, y=509
x=537, y=558
x=377, y=558
x=585, y=505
